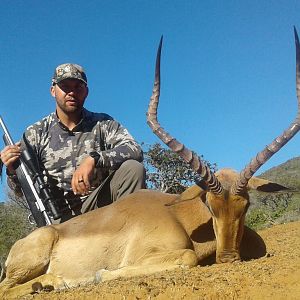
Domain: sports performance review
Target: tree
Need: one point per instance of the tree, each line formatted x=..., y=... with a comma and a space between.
x=167, y=171
x=13, y=226
x=14, y=222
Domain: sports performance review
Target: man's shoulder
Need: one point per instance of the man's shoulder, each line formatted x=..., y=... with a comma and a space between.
x=44, y=122
x=97, y=117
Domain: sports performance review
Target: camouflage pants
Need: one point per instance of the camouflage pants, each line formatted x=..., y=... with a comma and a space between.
x=130, y=177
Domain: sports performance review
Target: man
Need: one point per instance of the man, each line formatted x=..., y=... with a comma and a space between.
x=88, y=159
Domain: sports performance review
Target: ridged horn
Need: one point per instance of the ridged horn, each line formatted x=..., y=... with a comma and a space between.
x=278, y=143
x=190, y=157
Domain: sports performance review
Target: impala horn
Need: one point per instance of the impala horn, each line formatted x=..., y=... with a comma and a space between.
x=190, y=157
x=278, y=143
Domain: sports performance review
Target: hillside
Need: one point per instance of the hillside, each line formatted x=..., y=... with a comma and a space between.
x=267, y=209
x=287, y=174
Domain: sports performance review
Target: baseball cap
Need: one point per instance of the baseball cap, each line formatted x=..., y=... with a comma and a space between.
x=68, y=70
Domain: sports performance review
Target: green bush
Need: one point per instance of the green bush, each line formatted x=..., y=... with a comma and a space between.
x=274, y=209
x=256, y=219
x=13, y=226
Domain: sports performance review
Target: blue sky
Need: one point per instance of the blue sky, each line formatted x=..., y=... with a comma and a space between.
x=228, y=68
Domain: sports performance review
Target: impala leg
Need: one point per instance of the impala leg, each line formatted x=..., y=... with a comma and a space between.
x=4, y=286
x=44, y=282
x=28, y=258
x=152, y=263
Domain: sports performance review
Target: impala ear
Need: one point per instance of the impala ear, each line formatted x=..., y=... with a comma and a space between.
x=191, y=193
x=264, y=185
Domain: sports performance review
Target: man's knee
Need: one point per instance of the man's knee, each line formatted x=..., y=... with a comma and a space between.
x=133, y=169
x=130, y=177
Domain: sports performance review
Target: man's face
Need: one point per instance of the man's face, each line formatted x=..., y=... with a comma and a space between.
x=70, y=95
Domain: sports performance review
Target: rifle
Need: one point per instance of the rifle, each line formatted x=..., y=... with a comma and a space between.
x=37, y=193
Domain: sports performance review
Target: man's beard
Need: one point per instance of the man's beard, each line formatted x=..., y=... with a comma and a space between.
x=70, y=108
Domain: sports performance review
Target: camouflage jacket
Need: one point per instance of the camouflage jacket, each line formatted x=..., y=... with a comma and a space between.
x=60, y=151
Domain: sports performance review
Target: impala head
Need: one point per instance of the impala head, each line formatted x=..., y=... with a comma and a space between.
x=226, y=191
x=228, y=215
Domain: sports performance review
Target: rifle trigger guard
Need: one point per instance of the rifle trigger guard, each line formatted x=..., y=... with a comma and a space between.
x=31, y=219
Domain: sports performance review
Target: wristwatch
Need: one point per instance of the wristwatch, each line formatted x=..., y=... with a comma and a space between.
x=96, y=156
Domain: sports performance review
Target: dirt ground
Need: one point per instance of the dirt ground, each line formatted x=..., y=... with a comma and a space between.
x=275, y=276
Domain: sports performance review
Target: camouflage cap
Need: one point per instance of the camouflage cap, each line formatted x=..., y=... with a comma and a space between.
x=68, y=70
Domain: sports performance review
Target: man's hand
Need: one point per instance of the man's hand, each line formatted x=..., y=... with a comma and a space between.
x=9, y=155
x=82, y=175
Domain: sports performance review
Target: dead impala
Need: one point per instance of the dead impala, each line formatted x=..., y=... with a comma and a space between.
x=148, y=231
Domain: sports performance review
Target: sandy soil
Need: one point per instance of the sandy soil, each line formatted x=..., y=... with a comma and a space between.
x=275, y=276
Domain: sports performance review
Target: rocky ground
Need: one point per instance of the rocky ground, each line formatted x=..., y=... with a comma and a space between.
x=275, y=276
